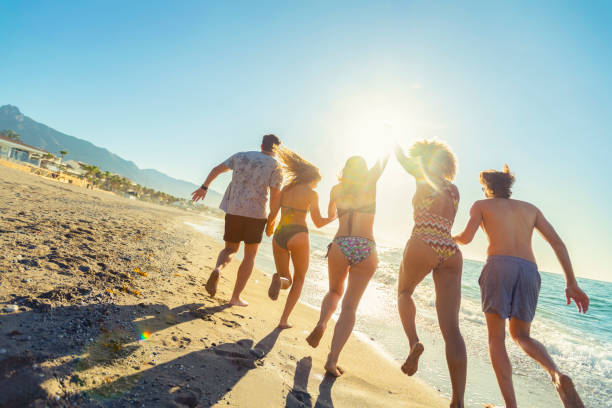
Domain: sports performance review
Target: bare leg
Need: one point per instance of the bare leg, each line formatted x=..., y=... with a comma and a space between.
x=338, y=269
x=416, y=264
x=282, y=278
x=447, y=280
x=499, y=357
x=244, y=272
x=299, y=245
x=520, y=332
x=224, y=258
x=359, y=277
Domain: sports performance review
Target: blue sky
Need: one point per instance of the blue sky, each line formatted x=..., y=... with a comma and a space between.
x=179, y=86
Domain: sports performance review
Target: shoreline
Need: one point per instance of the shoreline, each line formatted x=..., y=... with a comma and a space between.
x=388, y=338
x=103, y=305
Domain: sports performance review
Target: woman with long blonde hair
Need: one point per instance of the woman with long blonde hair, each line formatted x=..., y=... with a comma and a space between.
x=432, y=248
x=290, y=242
x=351, y=254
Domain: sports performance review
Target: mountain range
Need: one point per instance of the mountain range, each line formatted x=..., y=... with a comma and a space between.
x=51, y=140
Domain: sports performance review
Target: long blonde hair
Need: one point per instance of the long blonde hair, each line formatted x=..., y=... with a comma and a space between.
x=296, y=169
x=354, y=174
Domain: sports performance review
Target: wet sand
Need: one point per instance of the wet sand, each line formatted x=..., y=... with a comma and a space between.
x=102, y=303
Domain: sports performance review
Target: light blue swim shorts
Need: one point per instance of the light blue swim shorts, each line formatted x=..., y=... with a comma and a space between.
x=509, y=286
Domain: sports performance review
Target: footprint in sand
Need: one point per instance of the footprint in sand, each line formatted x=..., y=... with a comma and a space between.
x=230, y=323
x=188, y=397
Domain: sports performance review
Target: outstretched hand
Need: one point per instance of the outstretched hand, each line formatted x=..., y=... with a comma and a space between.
x=199, y=194
x=576, y=294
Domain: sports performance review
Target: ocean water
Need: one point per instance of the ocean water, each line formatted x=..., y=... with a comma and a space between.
x=581, y=345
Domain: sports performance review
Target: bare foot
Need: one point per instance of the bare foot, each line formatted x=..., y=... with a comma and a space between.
x=315, y=337
x=567, y=392
x=275, y=286
x=285, y=326
x=333, y=369
x=238, y=302
x=412, y=362
x=211, y=283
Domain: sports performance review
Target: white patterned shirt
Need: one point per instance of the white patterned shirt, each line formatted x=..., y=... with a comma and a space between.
x=253, y=174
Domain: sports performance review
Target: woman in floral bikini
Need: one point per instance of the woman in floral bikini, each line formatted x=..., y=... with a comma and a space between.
x=352, y=252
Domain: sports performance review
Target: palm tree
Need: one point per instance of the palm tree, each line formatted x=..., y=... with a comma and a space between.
x=63, y=153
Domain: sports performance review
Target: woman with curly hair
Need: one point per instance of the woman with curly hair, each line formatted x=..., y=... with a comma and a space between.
x=352, y=253
x=431, y=248
x=290, y=242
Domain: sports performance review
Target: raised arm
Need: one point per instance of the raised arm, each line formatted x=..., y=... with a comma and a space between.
x=409, y=164
x=572, y=291
x=200, y=193
x=377, y=170
x=315, y=213
x=471, y=227
x=275, y=203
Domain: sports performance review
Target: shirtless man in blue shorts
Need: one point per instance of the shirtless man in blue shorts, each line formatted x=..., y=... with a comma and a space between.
x=510, y=281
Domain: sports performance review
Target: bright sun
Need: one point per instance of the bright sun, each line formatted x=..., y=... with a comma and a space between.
x=372, y=135
x=370, y=124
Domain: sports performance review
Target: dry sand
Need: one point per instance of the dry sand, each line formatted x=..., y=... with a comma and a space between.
x=84, y=273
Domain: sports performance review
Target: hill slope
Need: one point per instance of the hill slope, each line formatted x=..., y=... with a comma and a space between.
x=44, y=137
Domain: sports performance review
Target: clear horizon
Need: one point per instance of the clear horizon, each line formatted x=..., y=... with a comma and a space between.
x=179, y=88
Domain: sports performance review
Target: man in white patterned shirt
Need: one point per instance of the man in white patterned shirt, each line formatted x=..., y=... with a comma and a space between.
x=244, y=204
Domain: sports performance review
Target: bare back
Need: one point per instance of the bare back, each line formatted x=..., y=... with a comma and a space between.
x=509, y=226
x=362, y=222
x=295, y=202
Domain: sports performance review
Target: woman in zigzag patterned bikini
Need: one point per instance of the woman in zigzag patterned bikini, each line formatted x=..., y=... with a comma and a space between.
x=431, y=248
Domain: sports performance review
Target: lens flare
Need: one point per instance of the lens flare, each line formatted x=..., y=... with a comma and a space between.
x=144, y=335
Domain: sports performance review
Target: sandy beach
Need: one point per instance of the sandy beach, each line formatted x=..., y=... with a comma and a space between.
x=102, y=303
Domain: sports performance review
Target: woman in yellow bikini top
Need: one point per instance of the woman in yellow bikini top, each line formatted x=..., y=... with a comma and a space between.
x=290, y=242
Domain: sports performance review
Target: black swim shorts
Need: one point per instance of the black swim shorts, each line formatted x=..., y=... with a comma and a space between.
x=247, y=229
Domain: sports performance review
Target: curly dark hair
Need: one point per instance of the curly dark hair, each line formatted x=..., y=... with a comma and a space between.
x=296, y=170
x=498, y=183
x=436, y=155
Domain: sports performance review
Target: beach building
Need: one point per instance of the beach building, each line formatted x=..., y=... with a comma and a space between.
x=17, y=150
x=74, y=167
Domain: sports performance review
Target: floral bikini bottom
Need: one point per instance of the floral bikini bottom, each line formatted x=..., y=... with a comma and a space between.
x=355, y=249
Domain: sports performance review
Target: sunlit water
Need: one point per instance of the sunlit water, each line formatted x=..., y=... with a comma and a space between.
x=579, y=344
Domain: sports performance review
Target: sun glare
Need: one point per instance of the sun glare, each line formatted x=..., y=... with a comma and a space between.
x=370, y=124
x=371, y=136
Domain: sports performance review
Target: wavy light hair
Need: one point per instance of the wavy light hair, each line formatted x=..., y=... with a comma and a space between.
x=498, y=183
x=437, y=158
x=296, y=170
x=354, y=174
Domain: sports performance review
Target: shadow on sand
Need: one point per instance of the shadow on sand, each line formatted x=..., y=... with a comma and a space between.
x=299, y=396
x=201, y=378
x=30, y=338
